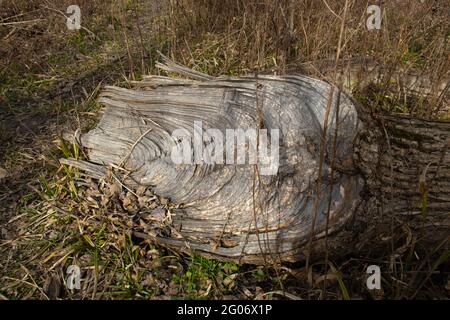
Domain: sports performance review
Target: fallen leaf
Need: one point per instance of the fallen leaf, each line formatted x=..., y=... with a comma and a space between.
x=52, y=287
x=3, y=174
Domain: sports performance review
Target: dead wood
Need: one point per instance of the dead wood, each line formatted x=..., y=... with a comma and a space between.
x=387, y=170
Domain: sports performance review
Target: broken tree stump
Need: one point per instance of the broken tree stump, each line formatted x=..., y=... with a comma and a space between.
x=342, y=178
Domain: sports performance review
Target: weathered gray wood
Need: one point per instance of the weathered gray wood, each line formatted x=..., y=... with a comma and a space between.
x=231, y=212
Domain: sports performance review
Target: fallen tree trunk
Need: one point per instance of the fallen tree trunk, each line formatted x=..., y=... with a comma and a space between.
x=340, y=179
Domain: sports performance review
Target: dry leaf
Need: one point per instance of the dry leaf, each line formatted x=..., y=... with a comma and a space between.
x=330, y=278
x=52, y=287
x=3, y=174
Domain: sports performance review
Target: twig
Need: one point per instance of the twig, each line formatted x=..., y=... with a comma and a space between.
x=132, y=147
x=331, y=10
x=323, y=140
x=281, y=293
x=20, y=22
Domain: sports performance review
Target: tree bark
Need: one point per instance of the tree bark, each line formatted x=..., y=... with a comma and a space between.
x=405, y=164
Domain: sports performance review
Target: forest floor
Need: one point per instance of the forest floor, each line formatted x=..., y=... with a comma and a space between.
x=50, y=77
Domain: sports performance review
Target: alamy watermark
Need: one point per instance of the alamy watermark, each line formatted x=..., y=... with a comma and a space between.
x=237, y=147
x=374, y=20
x=374, y=280
x=73, y=280
x=74, y=20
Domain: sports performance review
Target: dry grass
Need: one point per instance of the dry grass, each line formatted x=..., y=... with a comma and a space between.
x=235, y=37
x=51, y=217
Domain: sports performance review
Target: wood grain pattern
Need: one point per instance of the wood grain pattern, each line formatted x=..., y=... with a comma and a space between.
x=230, y=211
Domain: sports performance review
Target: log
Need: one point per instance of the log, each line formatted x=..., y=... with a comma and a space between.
x=337, y=178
